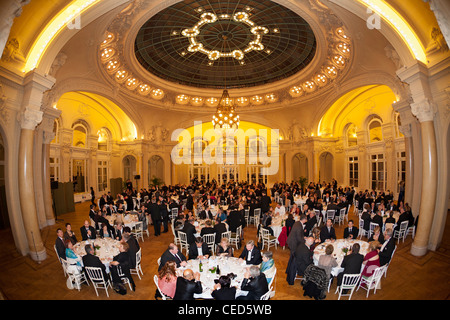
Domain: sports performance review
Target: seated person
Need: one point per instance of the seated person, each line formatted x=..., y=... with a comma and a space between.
x=87, y=231
x=172, y=254
x=223, y=290
x=224, y=249
x=208, y=229
x=327, y=232
x=251, y=254
x=255, y=283
x=199, y=250
x=188, y=285
x=167, y=278
x=123, y=259
x=268, y=265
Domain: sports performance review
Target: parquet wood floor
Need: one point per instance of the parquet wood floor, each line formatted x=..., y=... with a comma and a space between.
x=408, y=277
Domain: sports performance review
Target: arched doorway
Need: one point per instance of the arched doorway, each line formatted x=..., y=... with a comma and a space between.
x=155, y=170
x=129, y=168
x=326, y=167
x=299, y=166
x=4, y=218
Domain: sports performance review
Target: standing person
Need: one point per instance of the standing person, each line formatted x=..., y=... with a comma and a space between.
x=155, y=214
x=93, y=196
x=297, y=234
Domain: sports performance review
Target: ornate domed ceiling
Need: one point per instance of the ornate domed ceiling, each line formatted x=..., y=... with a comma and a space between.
x=216, y=44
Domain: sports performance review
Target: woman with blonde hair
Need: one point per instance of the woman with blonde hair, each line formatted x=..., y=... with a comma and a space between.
x=224, y=249
x=167, y=279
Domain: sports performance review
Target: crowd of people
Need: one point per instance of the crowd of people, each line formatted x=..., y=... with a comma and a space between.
x=223, y=208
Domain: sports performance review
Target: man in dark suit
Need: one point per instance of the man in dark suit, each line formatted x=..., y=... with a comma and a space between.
x=328, y=232
x=133, y=247
x=251, y=254
x=87, y=231
x=255, y=283
x=153, y=210
x=387, y=248
x=351, y=263
x=265, y=202
x=351, y=232
x=172, y=254
x=219, y=228
x=60, y=245
x=303, y=256
x=312, y=220
x=190, y=231
x=378, y=219
x=199, y=250
x=188, y=285
x=119, y=232
x=365, y=216
x=90, y=260
x=297, y=234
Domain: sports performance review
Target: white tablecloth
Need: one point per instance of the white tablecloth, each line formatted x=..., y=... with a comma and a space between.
x=105, y=249
x=338, y=253
x=226, y=266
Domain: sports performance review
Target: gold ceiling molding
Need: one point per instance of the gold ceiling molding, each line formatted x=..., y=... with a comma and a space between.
x=338, y=57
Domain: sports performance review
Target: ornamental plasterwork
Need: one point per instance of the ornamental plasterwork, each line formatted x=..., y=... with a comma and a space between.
x=113, y=63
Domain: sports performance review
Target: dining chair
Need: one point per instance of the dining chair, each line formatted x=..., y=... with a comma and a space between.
x=163, y=296
x=138, y=269
x=268, y=239
x=372, y=282
x=349, y=282
x=183, y=241
x=95, y=274
x=210, y=240
x=122, y=276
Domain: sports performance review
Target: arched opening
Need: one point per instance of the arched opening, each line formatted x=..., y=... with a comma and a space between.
x=156, y=170
x=326, y=167
x=129, y=168
x=104, y=139
x=300, y=167
x=374, y=128
x=80, y=133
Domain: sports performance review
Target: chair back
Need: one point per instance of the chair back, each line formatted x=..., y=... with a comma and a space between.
x=331, y=214
x=403, y=226
x=342, y=212
x=138, y=257
x=350, y=281
x=266, y=295
x=174, y=212
x=226, y=235
x=210, y=239
x=257, y=212
x=183, y=237
x=372, y=227
x=265, y=233
x=95, y=274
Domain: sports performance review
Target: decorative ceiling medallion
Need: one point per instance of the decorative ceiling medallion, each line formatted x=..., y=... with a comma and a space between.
x=210, y=18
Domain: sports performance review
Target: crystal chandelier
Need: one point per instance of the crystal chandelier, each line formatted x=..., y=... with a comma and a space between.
x=225, y=117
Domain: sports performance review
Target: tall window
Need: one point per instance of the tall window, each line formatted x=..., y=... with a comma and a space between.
x=378, y=172
x=54, y=169
x=102, y=175
x=401, y=168
x=353, y=167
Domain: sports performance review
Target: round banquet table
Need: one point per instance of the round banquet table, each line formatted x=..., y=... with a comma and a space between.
x=226, y=265
x=338, y=245
x=105, y=249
